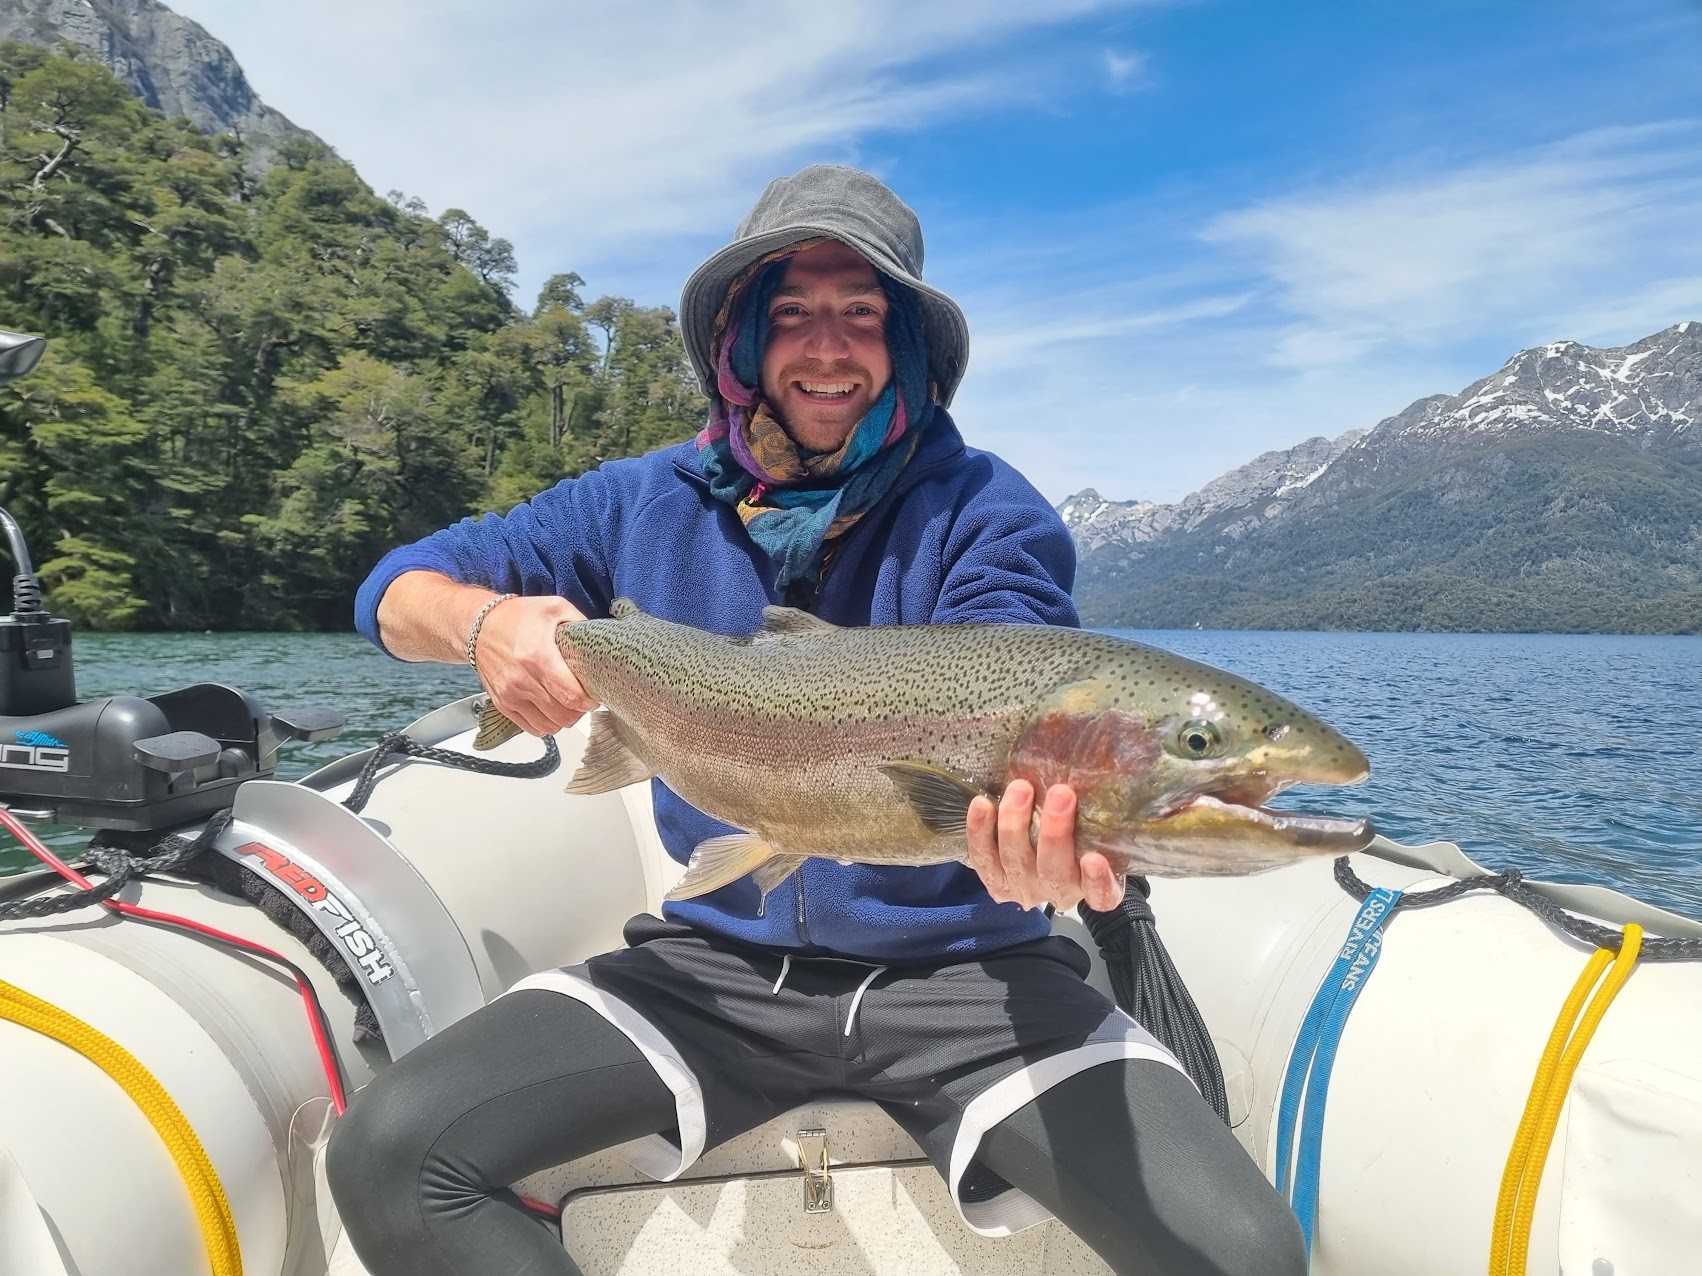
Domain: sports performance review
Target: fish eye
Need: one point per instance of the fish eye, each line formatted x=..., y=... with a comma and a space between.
x=1199, y=738
x=1276, y=730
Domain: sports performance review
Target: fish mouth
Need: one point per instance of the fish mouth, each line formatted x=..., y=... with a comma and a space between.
x=1238, y=815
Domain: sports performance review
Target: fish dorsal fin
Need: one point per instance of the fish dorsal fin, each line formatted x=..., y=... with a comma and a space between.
x=721, y=861
x=789, y=622
x=621, y=608
x=609, y=762
x=940, y=799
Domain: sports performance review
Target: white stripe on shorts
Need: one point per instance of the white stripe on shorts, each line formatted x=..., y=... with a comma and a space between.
x=1012, y=1211
x=653, y=1154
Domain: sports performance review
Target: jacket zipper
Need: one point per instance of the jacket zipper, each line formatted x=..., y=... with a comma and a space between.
x=803, y=925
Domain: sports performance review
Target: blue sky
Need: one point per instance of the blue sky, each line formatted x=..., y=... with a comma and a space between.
x=1184, y=233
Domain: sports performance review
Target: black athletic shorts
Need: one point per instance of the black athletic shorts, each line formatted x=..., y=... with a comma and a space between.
x=742, y=1035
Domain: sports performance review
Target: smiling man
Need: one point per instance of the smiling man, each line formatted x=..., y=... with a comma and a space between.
x=831, y=477
x=826, y=359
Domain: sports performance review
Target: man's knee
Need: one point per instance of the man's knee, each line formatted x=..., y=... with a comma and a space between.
x=378, y=1145
x=1258, y=1235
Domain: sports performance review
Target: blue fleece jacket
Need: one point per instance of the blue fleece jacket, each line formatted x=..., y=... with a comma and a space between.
x=962, y=537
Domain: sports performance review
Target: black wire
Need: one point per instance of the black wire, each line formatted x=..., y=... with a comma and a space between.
x=15, y=537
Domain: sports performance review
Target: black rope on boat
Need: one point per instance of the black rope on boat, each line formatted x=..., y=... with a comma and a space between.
x=1148, y=986
x=121, y=865
x=1512, y=885
x=400, y=742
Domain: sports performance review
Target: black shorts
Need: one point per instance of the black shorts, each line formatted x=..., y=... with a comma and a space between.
x=742, y=1035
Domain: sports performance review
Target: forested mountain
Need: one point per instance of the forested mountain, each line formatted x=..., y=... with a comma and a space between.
x=256, y=384
x=1564, y=492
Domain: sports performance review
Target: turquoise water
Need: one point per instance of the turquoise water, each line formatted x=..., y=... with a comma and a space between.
x=1569, y=757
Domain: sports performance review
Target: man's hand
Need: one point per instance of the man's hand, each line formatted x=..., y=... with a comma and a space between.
x=521, y=665
x=1043, y=868
x=426, y=616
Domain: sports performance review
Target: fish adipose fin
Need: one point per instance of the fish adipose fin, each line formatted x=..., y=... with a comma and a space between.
x=621, y=608
x=720, y=861
x=940, y=798
x=495, y=726
x=789, y=622
x=608, y=763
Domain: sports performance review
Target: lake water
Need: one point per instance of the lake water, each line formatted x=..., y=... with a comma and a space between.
x=1572, y=758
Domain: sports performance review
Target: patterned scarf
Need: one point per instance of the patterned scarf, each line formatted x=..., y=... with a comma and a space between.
x=793, y=503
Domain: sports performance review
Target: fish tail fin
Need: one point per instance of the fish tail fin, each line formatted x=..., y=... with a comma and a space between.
x=720, y=861
x=610, y=762
x=495, y=726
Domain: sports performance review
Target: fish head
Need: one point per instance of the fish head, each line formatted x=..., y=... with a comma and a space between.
x=1172, y=763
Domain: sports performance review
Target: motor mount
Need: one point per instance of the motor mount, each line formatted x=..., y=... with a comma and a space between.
x=135, y=763
x=122, y=762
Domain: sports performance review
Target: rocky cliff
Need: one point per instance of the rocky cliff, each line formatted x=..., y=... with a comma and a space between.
x=168, y=61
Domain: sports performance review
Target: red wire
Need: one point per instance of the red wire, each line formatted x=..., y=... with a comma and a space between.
x=327, y=1056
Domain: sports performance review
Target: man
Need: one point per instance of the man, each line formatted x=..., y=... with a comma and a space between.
x=830, y=477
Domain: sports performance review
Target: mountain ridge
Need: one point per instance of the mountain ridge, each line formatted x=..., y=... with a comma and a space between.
x=1562, y=490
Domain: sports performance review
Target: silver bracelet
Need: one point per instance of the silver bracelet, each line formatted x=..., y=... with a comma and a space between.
x=478, y=623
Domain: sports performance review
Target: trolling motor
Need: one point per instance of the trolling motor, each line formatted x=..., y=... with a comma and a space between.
x=122, y=762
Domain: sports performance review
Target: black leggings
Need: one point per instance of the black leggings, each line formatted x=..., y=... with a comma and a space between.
x=420, y=1163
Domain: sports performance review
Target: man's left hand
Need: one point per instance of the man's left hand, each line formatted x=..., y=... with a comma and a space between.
x=1041, y=868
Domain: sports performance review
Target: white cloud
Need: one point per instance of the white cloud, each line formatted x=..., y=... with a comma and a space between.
x=1124, y=68
x=595, y=134
x=1146, y=371
x=1520, y=244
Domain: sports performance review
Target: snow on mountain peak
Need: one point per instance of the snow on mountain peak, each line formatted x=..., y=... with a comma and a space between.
x=1650, y=387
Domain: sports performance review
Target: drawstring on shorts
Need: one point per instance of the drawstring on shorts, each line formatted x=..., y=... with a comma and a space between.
x=856, y=999
x=851, y=1015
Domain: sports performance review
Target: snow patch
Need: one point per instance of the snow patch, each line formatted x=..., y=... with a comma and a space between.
x=1300, y=483
x=1631, y=361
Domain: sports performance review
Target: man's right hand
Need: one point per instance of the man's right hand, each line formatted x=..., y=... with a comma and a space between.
x=427, y=616
x=521, y=665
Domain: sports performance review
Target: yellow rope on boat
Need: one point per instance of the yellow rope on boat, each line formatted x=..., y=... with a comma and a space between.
x=1515, y=1206
x=206, y=1193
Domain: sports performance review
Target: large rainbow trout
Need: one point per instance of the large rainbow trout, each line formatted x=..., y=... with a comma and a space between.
x=868, y=744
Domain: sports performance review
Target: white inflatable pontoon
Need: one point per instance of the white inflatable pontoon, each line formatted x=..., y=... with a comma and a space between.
x=451, y=885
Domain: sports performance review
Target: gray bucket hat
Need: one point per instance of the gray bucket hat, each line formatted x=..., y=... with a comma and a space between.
x=844, y=204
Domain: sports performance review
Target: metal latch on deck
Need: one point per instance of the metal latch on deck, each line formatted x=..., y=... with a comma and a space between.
x=818, y=1178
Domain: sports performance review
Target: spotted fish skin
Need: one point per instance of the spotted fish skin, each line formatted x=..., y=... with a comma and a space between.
x=866, y=744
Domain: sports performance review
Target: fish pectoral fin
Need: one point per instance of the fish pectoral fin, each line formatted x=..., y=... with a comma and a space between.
x=789, y=622
x=495, y=726
x=720, y=861
x=940, y=798
x=609, y=762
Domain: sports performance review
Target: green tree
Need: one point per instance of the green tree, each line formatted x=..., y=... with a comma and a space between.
x=257, y=386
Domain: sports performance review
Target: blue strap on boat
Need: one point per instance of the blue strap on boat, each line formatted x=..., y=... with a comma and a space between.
x=1314, y=1055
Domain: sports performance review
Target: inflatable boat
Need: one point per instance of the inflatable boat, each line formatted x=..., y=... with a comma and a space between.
x=166, y=1095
